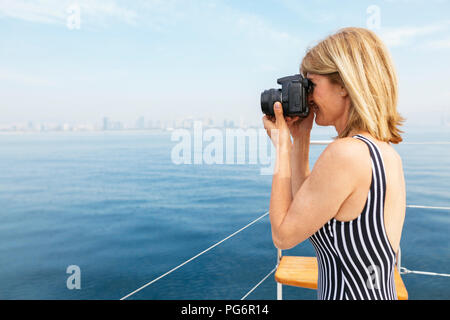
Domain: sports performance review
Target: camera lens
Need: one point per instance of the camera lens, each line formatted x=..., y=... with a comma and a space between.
x=268, y=98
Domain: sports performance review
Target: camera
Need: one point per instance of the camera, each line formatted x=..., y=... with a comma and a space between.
x=293, y=96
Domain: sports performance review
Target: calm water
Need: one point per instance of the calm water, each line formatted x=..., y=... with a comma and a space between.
x=114, y=204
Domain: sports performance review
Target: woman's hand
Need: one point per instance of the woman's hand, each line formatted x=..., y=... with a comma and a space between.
x=297, y=127
x=300, y=126
x=277, y=129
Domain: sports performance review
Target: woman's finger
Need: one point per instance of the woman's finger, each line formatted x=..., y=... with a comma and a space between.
x=279, y=117
x=268, y=124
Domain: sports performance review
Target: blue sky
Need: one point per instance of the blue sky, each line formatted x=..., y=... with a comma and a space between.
x=165, y=59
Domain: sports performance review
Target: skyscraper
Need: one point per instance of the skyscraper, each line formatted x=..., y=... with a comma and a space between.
x=105, y=123
x=140, y=123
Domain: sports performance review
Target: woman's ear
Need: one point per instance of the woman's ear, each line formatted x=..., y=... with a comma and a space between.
x=344, y=92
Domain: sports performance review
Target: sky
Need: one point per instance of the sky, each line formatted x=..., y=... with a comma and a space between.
x=79, y=61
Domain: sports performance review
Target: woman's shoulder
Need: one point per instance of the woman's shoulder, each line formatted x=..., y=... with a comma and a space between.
x=343, y=167
x=356, y=152
x=347, y=149
x=349, y=156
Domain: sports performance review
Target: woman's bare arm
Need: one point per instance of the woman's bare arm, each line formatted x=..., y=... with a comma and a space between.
x=334, y=178
x=300, y=162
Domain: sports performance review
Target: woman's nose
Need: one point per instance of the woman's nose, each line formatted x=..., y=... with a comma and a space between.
x=310, y=99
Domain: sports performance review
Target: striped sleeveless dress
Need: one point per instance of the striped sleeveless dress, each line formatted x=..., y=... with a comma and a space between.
x=355, y=259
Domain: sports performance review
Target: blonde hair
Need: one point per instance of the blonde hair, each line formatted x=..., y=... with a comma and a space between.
x=359, y=61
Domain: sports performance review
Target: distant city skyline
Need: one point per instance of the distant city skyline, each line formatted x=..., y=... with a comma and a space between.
x=141, y=123
x=78, y=61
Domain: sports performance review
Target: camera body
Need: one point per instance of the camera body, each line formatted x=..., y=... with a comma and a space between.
x=293, y=96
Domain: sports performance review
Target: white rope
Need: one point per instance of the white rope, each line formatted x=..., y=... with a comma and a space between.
x=435, y=142
x=252, y=289
x=320, y=142
x=403, y=270
x=325, y=142
x=194, y=257
x=427, y=207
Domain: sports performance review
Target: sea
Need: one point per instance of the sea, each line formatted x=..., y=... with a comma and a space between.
x=97, y=215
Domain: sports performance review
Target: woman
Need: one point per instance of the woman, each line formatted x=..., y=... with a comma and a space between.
x=352, y=204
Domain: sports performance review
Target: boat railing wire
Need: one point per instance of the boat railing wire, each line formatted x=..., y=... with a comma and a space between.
x=402, y=270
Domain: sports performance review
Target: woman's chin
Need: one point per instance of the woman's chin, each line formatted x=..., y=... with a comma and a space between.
x=321, y=123
x=318, y=122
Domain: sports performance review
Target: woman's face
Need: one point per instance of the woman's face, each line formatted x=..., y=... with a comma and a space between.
x=329, y=101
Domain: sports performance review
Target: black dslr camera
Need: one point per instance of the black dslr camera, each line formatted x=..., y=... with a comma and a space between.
x=293, y=96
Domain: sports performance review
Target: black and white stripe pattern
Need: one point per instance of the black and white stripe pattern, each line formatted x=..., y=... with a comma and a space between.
x=355, y=258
